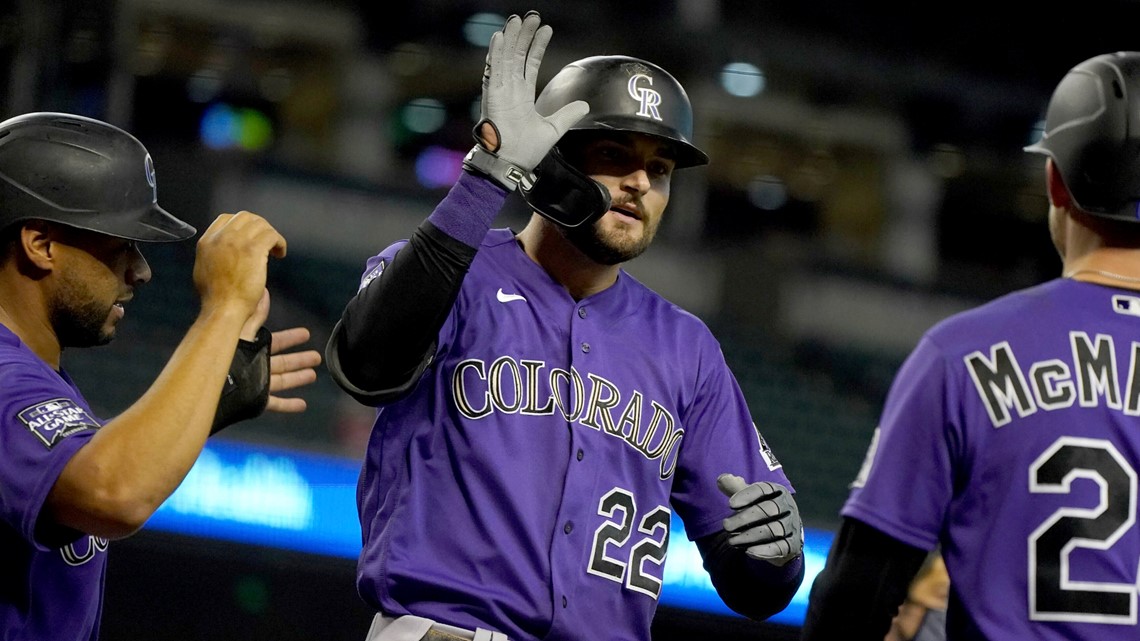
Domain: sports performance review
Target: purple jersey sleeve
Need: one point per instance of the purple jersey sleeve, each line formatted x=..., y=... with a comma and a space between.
x=914, y=433
x=45, y=423
x=722, y=439
x=53, y=578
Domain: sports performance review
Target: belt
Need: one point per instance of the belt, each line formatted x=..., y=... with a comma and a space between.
x=437, y=635
x=410, y=627
x=480, y=635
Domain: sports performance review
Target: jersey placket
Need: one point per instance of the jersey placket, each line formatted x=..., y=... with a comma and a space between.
x=570, y=548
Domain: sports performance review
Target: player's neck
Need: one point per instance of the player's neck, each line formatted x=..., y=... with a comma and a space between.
x=23, y=312
x=1112, y=266
x=564, y=262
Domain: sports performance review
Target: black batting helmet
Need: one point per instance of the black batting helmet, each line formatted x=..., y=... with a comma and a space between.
x=1092, y=133
x=624, y=94
x=83, y=173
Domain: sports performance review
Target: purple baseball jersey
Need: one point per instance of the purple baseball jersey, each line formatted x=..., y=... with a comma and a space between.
x=51, y=583
x=527, y=482
x=1011, y=436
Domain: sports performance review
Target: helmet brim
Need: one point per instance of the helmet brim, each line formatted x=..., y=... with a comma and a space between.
x=687, y=154
x=152, y=225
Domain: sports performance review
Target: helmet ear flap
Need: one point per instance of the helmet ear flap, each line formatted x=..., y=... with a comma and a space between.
x=564, y=194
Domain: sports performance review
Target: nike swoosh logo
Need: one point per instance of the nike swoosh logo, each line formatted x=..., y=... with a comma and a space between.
x=506, y=298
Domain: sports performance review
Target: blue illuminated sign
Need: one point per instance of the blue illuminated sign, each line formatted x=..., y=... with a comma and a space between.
x=307, y=502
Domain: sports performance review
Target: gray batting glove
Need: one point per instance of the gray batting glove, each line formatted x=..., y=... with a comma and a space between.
x=522, y=136
x=767, y=522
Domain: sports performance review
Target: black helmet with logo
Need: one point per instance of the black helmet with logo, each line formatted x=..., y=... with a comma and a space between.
x=1092, y=133
x=83, y=173
x=625, y=94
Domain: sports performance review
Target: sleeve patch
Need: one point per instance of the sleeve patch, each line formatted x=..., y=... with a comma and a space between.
x=372, y=275
x=55, y=420
x=766, y=450
x=868, y=461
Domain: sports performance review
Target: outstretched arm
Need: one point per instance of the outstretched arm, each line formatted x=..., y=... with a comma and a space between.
x=387, y=333
x=116, y=481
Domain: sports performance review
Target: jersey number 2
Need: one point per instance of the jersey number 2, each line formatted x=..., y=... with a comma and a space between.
x=620, y=510
x=1053, y=594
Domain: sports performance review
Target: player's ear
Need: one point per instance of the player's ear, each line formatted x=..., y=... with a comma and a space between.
x=1059, y=195
x=34, y=244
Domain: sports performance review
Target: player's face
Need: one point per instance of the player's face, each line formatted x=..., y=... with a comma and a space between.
x=636, y=169
x=97, y=275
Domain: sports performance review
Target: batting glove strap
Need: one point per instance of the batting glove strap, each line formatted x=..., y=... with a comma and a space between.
x=246, y=392
x=506, y=174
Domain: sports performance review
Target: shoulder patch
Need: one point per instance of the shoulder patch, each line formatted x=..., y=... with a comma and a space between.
x=766, y=450
x=372, y=275
x=868, y=461
x=54, y=420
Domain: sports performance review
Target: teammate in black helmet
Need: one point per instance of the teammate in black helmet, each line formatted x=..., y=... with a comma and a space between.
x=77, y=197
x=1010, y=439
x=541, y=414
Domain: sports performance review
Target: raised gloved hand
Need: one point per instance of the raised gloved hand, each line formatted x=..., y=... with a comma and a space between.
x=512, y=137
x=767, y=522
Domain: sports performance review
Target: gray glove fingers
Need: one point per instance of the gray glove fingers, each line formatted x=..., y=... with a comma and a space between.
x=758, y=514
x=766, y=523
x=778, y=553
x=535, y=53
x=759, y=491
x=730, y=484
x=760, y=533
x=531, y=23
x=496, y=53
x=516, y=36
x=564, y=118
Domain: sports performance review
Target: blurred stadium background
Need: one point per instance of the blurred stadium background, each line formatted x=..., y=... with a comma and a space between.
x=867, y=180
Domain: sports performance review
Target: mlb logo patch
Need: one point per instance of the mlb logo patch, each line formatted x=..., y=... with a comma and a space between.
x=55, y=420
x=1129, y=305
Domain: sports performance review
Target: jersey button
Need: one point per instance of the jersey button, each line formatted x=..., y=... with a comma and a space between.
x=568, y=528
x=580, y=454
x=581, y=312
x=563, y=600
x=586, y=347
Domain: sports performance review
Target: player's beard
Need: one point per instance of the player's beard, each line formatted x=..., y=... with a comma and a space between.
x=607, y=247
x=79, y=319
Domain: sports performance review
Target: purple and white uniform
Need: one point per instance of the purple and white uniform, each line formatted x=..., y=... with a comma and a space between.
x=51, y=582
x=1017, y=449
x=526, y=484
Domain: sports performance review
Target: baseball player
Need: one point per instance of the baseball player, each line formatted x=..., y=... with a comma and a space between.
x=541, y=414
x=77, y=196
x=1011, y=434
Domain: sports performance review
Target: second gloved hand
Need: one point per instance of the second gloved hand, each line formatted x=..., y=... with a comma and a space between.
x=767, y=522
x=521, y=136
